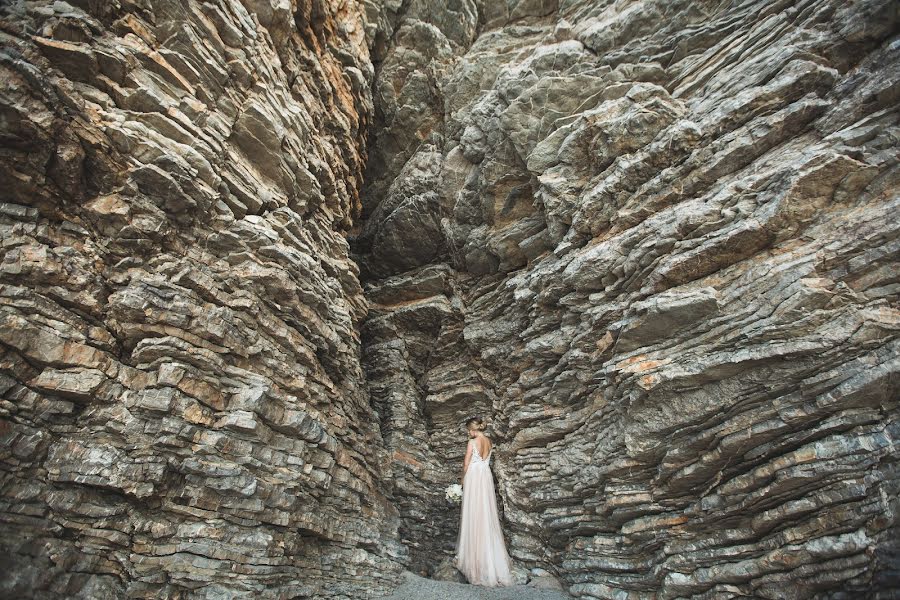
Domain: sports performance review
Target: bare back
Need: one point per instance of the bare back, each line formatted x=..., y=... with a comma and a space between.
x=484, y=446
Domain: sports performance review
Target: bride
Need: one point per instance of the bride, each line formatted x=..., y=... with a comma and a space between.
x=480, y=551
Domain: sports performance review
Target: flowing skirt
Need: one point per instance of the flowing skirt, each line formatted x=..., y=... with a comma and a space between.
x=480, y=550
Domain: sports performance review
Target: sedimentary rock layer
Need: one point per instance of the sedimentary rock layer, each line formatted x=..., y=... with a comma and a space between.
x=184, y=413
x=656, y=242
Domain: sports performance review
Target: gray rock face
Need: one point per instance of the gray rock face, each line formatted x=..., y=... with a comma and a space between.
x=656, y=243
x=184, y=412
x=261, y=259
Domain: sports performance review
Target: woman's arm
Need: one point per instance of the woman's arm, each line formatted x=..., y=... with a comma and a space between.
x=466, y=461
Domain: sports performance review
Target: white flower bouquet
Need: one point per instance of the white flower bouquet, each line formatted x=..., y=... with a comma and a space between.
x=454, y=493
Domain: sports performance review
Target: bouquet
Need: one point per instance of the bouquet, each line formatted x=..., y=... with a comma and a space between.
x=454, y=493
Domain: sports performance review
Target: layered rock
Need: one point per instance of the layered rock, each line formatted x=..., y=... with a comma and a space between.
x=184, y=413
x=656, y=242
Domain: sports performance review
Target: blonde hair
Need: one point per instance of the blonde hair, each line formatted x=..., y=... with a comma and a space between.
x=476, y=422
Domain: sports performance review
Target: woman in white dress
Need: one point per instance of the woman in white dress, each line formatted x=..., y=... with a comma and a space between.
x=480, y=550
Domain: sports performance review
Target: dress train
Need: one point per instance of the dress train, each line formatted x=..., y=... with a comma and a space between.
x=480, y=550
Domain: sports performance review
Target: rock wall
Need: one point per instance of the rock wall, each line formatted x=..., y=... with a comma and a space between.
x=184, y=411
x=261, y=259
x=656, y=242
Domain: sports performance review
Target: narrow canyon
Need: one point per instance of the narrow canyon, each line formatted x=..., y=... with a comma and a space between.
x=262, y=258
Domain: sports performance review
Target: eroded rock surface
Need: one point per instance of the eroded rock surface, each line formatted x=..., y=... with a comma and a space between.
x=184, y=413
x=656, y=242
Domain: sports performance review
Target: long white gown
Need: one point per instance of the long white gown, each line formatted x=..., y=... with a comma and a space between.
x=480, y=550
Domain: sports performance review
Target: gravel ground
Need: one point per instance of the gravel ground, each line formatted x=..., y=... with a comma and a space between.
x=420, y=588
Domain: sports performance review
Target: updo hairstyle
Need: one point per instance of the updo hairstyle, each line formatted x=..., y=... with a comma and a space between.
x=476, y=422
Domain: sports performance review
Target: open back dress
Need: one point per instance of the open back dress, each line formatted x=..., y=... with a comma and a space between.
x=480, y=550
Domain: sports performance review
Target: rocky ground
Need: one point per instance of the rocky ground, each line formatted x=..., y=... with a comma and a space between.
x=261, y=259
x=415, y=587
